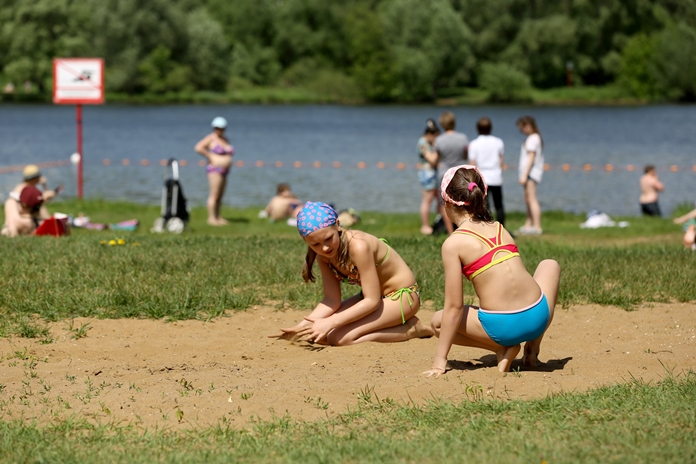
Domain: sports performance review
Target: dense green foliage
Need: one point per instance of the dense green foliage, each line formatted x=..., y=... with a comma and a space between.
x=635, y=422
x=376, y=50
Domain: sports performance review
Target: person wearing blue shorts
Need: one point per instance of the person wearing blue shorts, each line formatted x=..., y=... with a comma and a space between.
x=427, y=173
x=515, y=307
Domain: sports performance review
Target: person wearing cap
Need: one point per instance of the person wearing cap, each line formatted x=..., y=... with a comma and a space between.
x=33, y=177
x=22, y=213
x=218, y=151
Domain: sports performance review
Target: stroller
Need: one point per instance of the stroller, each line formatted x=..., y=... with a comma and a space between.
x=175, y=212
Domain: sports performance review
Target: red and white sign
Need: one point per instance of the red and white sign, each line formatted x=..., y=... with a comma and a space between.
x=78, y=81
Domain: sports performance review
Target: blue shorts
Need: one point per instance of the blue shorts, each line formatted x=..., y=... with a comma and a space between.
x=510, y=328
x=427, y=178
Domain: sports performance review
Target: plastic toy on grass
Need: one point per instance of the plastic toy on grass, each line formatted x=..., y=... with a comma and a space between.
x=175, y=213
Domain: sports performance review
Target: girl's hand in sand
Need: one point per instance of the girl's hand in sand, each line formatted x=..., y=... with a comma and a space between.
x=436, y=371
x=318, y=330
x=291, y=333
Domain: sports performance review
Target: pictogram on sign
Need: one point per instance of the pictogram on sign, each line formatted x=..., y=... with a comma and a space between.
x=78, y=81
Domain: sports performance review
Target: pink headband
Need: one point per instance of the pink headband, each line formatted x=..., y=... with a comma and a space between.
x=448, y=178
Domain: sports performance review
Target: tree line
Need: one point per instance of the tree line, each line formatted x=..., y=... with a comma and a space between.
x=375, y=50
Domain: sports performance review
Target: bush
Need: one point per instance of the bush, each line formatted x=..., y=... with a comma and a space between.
x=675, y=62
x=635, y=70
x=504, y=83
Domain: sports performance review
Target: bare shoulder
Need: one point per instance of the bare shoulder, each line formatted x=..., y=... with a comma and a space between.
x=206, y=140
x=507, y=237
x=360, y=241
x=453, y=243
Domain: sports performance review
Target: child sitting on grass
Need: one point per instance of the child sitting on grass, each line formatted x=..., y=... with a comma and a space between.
x=518, y=307
x=384, y=311
x=284, y=205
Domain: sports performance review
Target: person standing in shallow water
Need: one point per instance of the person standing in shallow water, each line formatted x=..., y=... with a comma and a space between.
x=218, y=150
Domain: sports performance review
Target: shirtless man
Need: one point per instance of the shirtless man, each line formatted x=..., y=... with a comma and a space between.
x=282, y=206
x=650, y=186
x=22, y=214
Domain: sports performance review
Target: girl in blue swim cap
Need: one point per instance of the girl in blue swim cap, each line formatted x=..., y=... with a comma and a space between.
x=383, y=311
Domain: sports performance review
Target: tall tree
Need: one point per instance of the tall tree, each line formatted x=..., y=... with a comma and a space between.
x=36, y=31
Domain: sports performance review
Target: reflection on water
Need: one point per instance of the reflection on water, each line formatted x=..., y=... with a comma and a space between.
x=661, y=135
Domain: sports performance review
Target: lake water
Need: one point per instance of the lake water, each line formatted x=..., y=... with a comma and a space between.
x=621, y=136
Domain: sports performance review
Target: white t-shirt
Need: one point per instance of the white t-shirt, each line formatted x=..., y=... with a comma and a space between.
x=533, y=143
x=485, y=151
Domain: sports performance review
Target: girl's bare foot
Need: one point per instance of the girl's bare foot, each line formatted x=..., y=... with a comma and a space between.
x=416, y=329
x=531, y=355
x=217, y=222
x=505, y=357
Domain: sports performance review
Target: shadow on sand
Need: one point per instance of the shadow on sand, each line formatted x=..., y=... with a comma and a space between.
x=489, y=360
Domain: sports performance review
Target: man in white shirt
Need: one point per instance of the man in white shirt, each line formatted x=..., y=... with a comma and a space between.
x=486, y=152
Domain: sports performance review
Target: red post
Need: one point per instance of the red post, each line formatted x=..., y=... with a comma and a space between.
x=79, y=151
x=569, y=74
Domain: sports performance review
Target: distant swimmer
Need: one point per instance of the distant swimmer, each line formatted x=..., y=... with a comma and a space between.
x=650, y=188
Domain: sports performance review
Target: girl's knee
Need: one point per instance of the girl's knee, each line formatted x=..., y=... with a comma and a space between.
x=550, y=265
x=436, y=322
x=334, y=339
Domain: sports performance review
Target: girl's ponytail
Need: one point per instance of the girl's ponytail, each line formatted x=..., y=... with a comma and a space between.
x=309, y=263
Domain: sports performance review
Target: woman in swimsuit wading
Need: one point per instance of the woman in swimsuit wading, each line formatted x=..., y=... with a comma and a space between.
x=384, y=311
x=515, y=307
x=218, y=151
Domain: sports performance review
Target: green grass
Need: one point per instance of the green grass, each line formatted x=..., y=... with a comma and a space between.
x=630, y=423
x=209, y=270
x=585, y=95
x=576, y=95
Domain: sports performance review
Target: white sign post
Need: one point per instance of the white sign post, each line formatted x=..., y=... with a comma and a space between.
x=78, y=81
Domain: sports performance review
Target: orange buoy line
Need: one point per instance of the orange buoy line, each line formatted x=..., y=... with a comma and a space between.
x=361, y=165
x=47, y=164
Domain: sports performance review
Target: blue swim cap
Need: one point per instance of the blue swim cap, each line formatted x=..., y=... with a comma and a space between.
x=219, y=123
x=314, y=216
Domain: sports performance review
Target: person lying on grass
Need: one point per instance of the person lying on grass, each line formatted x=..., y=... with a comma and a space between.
x=385, y=308
x=518, y=307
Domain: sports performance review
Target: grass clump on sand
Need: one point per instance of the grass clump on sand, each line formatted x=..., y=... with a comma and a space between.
x=209, y=270
x=634, y=422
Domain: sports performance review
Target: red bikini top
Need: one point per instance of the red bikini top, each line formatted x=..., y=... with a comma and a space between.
x=495, y=245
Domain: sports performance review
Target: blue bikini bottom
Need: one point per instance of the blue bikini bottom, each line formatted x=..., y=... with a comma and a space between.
x=510, y=328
